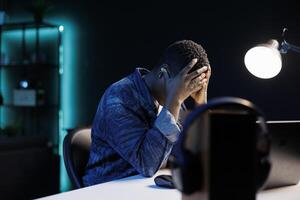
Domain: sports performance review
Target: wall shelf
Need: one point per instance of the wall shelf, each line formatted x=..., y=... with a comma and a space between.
x=27, y=25
x=31, y=51
x=32, y=107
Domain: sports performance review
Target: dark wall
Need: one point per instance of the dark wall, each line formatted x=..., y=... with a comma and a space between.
x=114, y=38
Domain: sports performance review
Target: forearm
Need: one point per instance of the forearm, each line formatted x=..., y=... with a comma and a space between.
x=173, y=106
x=169, y=129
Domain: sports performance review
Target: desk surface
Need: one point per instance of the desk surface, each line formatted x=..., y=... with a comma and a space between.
x=141, y=188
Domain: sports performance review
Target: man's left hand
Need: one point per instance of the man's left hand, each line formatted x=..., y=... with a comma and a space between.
x=200, y=97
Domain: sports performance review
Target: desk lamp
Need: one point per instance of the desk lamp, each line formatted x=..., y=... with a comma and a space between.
x=264, y=60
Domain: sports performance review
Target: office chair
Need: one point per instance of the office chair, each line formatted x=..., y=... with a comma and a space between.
x=76, y=149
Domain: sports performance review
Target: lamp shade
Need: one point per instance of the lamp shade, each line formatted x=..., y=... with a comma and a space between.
x=264, y=61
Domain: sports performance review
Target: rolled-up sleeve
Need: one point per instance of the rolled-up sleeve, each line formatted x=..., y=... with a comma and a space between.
x=167, y=125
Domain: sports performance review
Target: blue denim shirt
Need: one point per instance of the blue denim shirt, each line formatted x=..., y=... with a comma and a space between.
x=129, y=136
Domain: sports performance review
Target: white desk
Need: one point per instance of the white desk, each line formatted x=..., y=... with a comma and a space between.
x=140, y=188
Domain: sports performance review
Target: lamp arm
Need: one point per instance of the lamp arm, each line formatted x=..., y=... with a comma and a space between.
x=285, y=46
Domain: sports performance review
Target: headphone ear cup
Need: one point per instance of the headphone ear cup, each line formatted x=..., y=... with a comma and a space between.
x=187, y=176
x=263, y=172
x=176, y=173
x=192, y=174
x=263, y=152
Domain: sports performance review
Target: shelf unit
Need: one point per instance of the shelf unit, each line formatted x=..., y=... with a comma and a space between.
x=31, y=51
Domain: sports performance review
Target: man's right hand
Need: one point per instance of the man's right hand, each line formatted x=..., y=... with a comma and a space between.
x=182, y=86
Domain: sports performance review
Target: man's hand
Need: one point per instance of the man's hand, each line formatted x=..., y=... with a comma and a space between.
x=182, y=86
x=200, y=96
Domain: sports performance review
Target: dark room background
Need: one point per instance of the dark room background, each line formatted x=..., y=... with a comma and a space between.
x=111, y=39
x=106, y=40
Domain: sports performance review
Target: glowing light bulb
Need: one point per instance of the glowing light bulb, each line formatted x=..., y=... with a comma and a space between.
x=24, y=84
x=264, y=61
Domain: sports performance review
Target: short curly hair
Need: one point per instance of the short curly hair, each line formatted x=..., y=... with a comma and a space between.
x=180, y=53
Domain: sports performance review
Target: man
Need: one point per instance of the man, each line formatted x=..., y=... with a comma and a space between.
x=137, y=120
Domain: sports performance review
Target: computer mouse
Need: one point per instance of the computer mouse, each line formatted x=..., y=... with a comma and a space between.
x=165, y=181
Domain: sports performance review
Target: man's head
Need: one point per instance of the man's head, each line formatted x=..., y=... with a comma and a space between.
x=174, y=58
x=177, y=55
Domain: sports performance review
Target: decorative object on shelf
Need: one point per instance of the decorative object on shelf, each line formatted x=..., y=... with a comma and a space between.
x=264, y=60
x=39, y=8
x=30, y=81
x=28, y=94
x=25, y=97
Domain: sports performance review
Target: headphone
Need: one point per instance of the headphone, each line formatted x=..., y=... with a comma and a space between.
x=162, y=70
x=188, y=169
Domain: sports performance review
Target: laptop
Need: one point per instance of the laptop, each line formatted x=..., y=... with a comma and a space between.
x=285, y=156
x=285, y=153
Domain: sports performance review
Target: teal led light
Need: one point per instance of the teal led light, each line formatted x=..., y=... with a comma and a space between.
x=68, y=87
x=63, y=179
x=61, y=59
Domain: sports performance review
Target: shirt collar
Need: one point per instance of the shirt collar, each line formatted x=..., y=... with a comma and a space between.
x=146, y=98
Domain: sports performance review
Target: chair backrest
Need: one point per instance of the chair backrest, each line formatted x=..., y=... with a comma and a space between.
x=76, y=150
